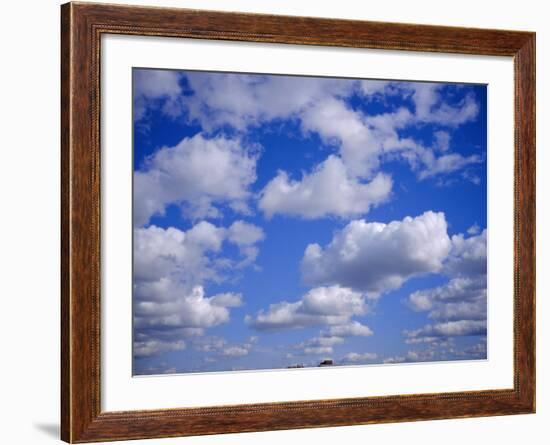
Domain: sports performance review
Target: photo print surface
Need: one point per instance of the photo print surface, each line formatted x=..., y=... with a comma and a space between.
x=294, y=222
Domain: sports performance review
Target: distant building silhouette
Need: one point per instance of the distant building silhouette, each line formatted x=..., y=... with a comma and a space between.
x=327, y=362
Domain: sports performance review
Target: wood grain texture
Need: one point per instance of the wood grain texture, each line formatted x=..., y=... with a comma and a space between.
x=81, y=28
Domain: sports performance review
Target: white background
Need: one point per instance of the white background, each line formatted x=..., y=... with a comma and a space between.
x=29, y=243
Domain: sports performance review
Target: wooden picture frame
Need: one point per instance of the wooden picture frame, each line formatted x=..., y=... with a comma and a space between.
x=82, y=25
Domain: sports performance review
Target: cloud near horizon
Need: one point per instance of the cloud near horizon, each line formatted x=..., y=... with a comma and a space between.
x=459, y=307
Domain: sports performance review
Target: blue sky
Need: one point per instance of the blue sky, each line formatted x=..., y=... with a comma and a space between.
x=285, y=220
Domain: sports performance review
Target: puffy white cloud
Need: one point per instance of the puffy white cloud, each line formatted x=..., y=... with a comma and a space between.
x=363, y=139
x=447, y=164
x=442, y=140
x=226, y=299
x=162, y=252
x=244, y=234
x=468, y=256
x=319, y=345
x=355, y=357
x=460, y=305
x=450, y=329
x=335, y=335
x=479, y=350
x=395, y=359
x=235, y=351
x=197, y=173
x=332, y=305
x=170, y=269
x=191, y=256
x=473, y=230
x=319, y=105
x=337, y=124
x=441, y=348
x=469, y=310
x=166, y=252
x=151, y=86
x=377, y=257
x=219, y=348
x=210, y=344
x=205, y=235
x=165, y=303
x=369, y=88
x=327, y=191
x=155, y=347
x=352, y=329
x=431, y=108
x=161, y=368
x=457, y=294
x=240, y=100
x=414, y=356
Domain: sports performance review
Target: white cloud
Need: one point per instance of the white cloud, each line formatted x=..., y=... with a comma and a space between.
x=395, y=359
x=458, y=294
x=332, y=305
x=339, y=125
x=469, y=310
x=151, y=86
x=378, y=257
x=479, y=350
x=196, y=174
x=209, y=344
x=335, y=335
x=171, y=267
x=172, y=252
x=414, y=356
x=369, y=88
x=244, y=234
x=355, y=357
x=431, y=108
x=352, y=329
x=362, y=140
x=468, y=256
x=235, y=351
x=460, y=305
x=227, y=299
x=218, y=347
x=473, y=230
x=447, y=164
x=155, y=347
x=319, y=105
x=319, y=345
x=241, y=100
x=162, y=252
x=191, y=256
x=442, y=140
x=450, y=329
x=327, y=191
x=165, y=303
x=205, y=235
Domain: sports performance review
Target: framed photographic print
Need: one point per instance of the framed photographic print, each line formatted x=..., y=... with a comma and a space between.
x=275, y=222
